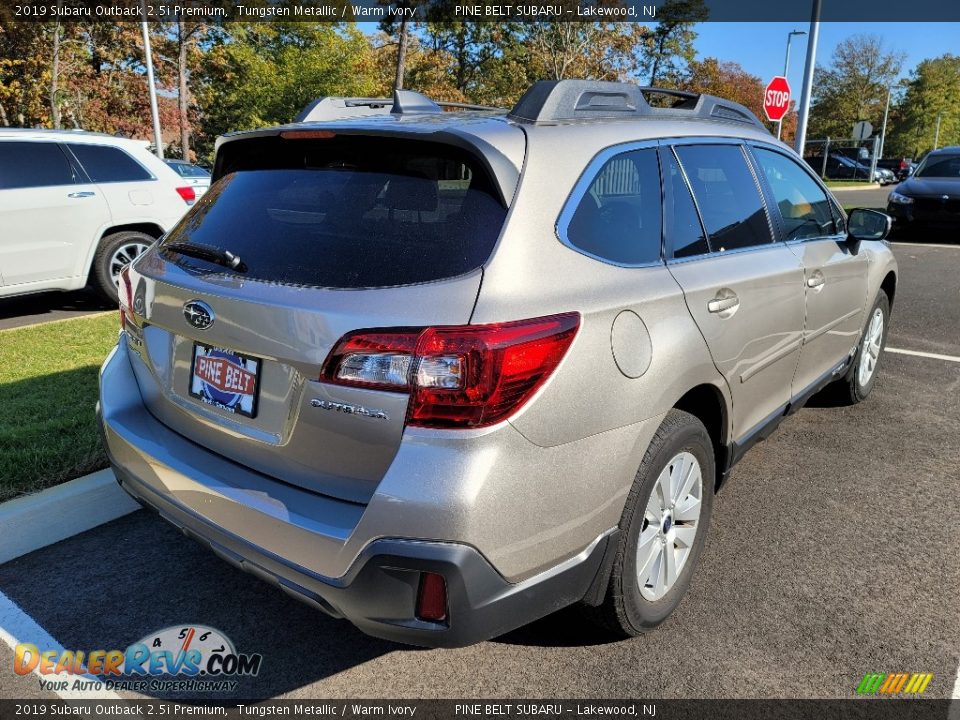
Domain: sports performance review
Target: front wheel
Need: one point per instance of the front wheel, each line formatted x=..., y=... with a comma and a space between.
x=857, y=384
x=663, y=528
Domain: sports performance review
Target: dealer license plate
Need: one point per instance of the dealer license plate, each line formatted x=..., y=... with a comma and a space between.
x=226, y=379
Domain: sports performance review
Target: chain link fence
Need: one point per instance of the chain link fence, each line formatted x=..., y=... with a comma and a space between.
x=844, y=159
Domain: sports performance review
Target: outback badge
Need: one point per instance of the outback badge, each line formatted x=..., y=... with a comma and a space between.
x=198, y=314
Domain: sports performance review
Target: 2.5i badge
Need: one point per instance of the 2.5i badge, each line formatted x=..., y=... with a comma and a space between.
x=226, y=379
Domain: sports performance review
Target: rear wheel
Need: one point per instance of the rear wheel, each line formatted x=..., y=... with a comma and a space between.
x=663, y=528
x=116, y=251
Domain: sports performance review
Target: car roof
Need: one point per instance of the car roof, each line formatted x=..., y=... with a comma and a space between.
x=68, y=136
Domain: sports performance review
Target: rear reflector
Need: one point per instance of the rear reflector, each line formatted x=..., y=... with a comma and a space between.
x=432, y=598
x=458, y=377
x=125, y=292
x=188, y=194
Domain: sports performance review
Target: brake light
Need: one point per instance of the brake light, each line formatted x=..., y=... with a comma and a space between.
x=188, y=194
x=460, y=376
x=125, y=293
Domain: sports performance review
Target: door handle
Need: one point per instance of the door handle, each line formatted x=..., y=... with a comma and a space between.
x=81, y=194
x=816, y=280
x=719, y=305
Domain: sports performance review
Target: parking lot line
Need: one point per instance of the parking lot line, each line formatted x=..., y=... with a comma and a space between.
x=917, y=353
x=927, y=245
x=17, y=626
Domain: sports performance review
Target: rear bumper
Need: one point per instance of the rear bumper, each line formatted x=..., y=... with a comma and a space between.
x=208, y=498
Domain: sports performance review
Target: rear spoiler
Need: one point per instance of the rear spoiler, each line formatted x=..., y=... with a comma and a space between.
x=233, y=148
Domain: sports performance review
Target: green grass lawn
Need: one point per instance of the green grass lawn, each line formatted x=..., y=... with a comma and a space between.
x=48, y=391
x=847, y=183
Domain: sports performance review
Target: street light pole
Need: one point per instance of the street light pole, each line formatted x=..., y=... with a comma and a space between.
x=148, y=58
x=804, y=114
x=883, y=129
x=786, y=69
x=936, y=135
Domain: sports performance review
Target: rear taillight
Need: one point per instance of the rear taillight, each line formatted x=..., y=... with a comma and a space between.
x=457, y=377
x=188, y=194
x=125, y=293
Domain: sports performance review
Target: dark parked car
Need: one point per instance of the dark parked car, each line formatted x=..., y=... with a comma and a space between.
x=899, y=166
x=841, y=167
x=931, y=196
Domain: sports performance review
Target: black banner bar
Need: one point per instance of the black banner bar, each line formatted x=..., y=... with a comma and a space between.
x=641, y=11
x=509, y=709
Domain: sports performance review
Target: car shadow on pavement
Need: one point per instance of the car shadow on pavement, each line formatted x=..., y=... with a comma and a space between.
x=40, y=306
x=116, y=584
x=565, y=628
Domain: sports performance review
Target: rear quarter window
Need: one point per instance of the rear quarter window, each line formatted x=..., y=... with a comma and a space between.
x=349, y=212
x=618, y=217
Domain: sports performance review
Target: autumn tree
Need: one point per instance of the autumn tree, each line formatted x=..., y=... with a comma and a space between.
x=853, y=87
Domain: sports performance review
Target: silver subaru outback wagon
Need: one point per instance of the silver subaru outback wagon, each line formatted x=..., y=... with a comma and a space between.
x=444, y=373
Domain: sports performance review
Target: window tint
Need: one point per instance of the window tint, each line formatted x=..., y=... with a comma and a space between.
x=108, y=164
x=348, y=212
x=804, y=207
x=33, y=164
x=684, y=230
x=618, y=218
x=727, y=196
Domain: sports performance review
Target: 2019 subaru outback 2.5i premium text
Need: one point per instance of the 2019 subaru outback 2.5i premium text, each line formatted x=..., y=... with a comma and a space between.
x=444, y=373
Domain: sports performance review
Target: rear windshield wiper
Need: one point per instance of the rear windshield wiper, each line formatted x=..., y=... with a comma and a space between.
x=209, y=253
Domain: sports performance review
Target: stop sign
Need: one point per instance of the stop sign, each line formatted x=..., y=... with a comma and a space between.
x=776, y=98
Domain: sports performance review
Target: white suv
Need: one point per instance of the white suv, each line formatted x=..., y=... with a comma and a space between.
x=76, y=207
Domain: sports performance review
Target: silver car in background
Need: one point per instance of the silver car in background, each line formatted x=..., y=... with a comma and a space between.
x=444, y=373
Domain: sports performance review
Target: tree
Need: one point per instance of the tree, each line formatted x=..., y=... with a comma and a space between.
x=933, y=89
x=669, y=47
x=853, y=87
x=729, y=80
x=259, y=74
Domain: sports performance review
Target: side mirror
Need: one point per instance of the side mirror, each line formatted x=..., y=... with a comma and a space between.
x=864, y=224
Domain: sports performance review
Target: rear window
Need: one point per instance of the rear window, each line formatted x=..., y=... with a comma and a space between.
x=106, y=164
x=348, y=212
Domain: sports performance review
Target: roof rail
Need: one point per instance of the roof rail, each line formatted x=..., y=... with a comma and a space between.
x=556, y=100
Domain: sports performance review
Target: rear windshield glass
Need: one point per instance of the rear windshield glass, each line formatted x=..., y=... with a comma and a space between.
x=347, y=212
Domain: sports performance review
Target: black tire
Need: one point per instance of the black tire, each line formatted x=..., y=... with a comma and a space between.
x=625, y=612
x=848, y=390
x=100, y=275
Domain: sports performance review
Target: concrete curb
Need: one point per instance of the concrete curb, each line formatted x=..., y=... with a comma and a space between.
x=848, y=188
x=35, y=521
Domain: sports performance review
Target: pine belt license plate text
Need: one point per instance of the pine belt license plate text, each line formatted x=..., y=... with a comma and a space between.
x=225, y=379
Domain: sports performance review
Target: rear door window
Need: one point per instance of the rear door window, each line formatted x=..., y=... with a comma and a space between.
x=33, y=164
x=803, y=205
x=105, y=164
x=348, y=212
x=684, y=231
x=727, y=196
x=618, y=218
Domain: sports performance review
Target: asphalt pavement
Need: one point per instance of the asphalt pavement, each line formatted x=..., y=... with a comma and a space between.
x=832, y=553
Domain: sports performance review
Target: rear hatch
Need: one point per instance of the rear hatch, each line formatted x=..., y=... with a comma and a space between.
x=237, y=308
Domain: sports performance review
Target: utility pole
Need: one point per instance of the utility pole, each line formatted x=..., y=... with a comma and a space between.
x=148, y=58
x=786, y=69
x=804, y=115
x=883, y=128
x=936, y=135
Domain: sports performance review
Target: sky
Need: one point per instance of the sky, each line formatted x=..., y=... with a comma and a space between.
x=760, y=47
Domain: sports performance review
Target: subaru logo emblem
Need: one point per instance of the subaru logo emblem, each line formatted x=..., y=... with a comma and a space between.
x=198, y=314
